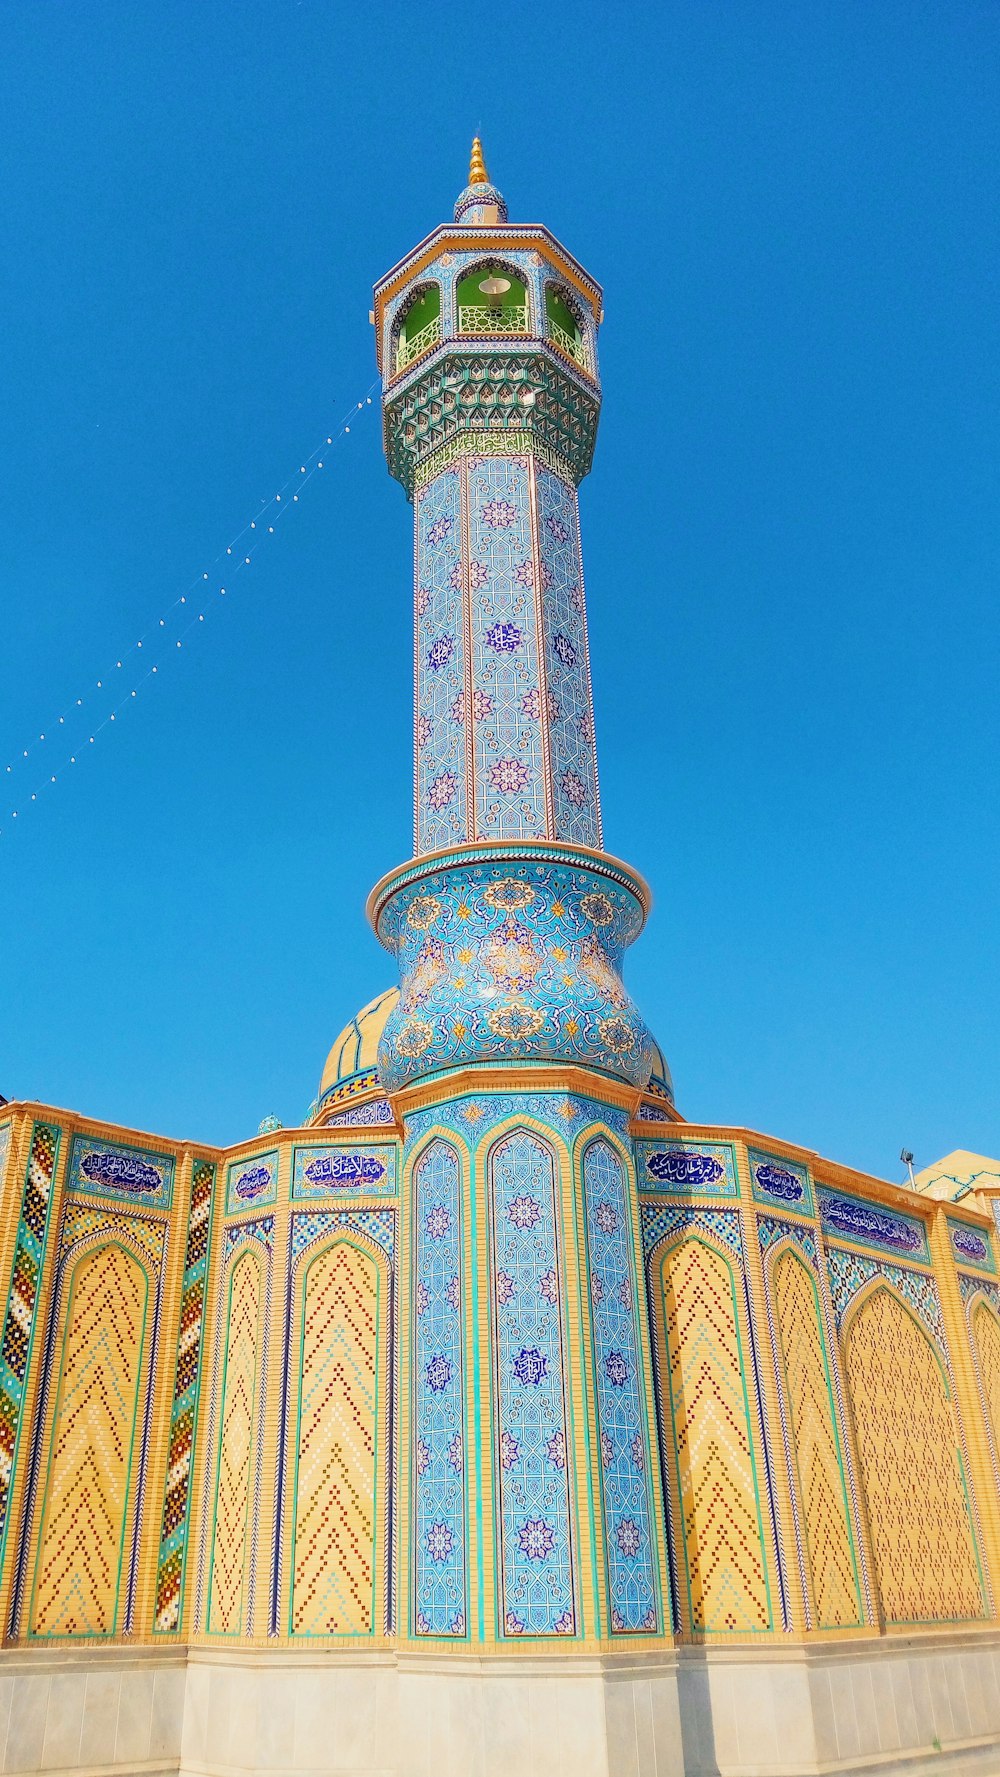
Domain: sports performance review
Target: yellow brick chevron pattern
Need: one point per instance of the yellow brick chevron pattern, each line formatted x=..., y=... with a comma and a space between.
x=714, y=1483
x=231, y=1543
x=918, y=1513
x=986, y=1332
x=82, y=1537
x=821, y=1495
x=340, y=1411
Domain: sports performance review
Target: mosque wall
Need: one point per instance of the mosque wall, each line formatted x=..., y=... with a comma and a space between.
x=534, y=1372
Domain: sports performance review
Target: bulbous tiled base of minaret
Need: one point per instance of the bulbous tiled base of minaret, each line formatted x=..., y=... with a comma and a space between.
x=511, y=955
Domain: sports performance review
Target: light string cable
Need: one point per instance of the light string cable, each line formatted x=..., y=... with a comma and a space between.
x=235, y=557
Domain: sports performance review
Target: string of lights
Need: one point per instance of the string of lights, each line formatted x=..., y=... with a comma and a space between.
x=158, y=641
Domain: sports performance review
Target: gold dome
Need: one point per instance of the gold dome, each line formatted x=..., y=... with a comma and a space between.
x=356, y=1048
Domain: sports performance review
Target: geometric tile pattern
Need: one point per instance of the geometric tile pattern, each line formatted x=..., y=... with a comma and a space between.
x=474, y=1116
x=231, y=1547
x=570, y=708
x=823, y=1511
x=87, y=1490
x=439, y=1458
x=261, y=1231
x=22, y=1302
x=770, y=1230
x=532, y=1449
x=377, y=1225
x=848, y=1272
x=922, y=1537
x=504, y=743
x=986, y=1342
x=504, y=960
x=82, y=1221
x=707, y=1421
x=506, y=681
x=660, y=1223
x=184, y=1406
x=339, y=1461
x=440, y=775
x=624, y=1452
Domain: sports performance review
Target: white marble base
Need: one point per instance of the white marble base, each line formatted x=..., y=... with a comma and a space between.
x=913, y=1706
x=91, y=1709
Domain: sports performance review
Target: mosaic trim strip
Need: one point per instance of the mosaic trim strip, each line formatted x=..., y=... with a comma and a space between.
x=502, y=444
x=324, y=1171
x=662, y=1223
x=869, y=1224
x=971, y=1287
x=676, y=1167
x=261, y=1231
x=439, y=1456
x=172, y=1561
x=22, y=1302
x=362, y=1115
x=251, y=1182
x=971, y=1247
x=849, y=1272
x=536, y=1577
x=378, y=1225
x=348, y=1089
x=770, y=1231
x=624, y=1449
x=475, y=1116
x=780, y=1181
x=81, y=1221
x=5, y=1141
x=113, y=1171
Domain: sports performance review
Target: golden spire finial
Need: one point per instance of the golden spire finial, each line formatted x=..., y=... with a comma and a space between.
x=477, y=166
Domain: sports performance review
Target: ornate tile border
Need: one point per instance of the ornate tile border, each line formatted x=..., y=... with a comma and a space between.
x=251, y=1182
x=120, y=1174
x=326, y=1170
x=972, y=1248
x=779, y=1182
x=858, y=1223
x=677, y=1167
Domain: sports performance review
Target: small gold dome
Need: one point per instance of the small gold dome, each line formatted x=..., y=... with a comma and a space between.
x=356, y=1048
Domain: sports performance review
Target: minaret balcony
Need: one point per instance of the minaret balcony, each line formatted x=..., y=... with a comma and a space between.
x=409, y=350
x=475, y=320
x=571, y=344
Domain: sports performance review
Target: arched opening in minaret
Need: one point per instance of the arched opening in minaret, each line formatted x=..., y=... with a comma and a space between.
x=418, y=326
x=491, y=299
x=564, y=324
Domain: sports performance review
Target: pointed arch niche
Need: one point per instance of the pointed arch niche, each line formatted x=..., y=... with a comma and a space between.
x=339, y=1556
x=819, y=1487
x=228, y=1602
x=711, y=1464
x=920, y=1526
x=90, y=1484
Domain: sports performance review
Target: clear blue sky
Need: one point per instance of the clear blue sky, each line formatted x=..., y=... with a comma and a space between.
x=790, y=533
